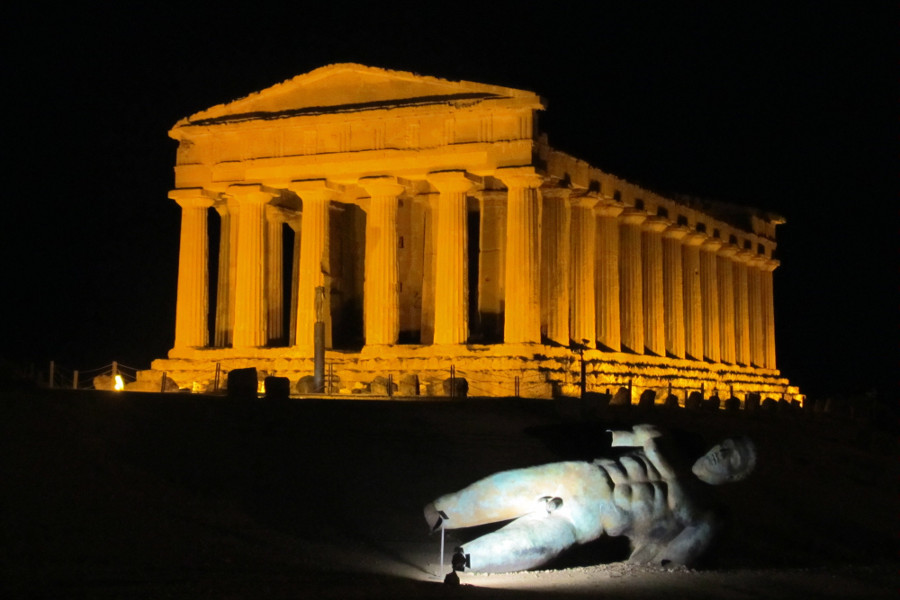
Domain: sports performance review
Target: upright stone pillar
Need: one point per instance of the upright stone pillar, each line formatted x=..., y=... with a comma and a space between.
x=381, y=300
x=523, y=312
x=192, y=300
x=556, y=258
x=227, y=272
x=768, y=309
x=742, y=308
x=709, y=293
x=757, y=324
x=608, y=317
x=693, y=304
x=492, y=265
x=725, y=279
x=295, y=222
x=673, y=289
x=250, y=319
x=315, y=263
x=631, y=294
x=583, y=315
x=274, y=275
x=451, y=284
x=654, y=296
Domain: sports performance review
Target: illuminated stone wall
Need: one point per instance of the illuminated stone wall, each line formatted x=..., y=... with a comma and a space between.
x=447, y=232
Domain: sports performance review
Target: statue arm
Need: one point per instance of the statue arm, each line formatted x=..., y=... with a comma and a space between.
x=637, y=437
x=691, y=543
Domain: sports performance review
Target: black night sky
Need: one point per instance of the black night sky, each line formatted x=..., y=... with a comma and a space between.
x=788, y=108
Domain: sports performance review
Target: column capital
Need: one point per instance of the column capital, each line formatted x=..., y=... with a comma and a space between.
x=609, y=210
x=758, y=261
x=251, y=192
x=193, y=197
x=633, y=216
x=452, y=181
x=382, y=185
x=695, y=238
x=711, y=244
x=521, y=177
x=655, y=224
x=770, y=264
x=728, y=250
x=315, y=189
x=583, y=201
x=743, y=256
x=675, y=232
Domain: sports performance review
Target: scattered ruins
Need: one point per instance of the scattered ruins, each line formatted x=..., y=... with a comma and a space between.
x=449, y=236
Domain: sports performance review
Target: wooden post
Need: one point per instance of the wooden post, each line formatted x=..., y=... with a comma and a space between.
x=75, y=379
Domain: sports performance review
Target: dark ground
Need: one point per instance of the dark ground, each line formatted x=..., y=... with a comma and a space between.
x=128, y=495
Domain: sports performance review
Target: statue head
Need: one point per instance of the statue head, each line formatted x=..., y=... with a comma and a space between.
x=731, y=460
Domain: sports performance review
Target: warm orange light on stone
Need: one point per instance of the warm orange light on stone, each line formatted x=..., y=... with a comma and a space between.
x=447, y=232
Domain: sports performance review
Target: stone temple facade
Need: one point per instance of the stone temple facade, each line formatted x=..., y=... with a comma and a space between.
x=448, y=234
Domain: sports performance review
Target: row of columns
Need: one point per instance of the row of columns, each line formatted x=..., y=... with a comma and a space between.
x=662, y=289
x=618, y=278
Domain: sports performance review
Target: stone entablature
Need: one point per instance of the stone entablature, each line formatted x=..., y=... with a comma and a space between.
x=444, y=227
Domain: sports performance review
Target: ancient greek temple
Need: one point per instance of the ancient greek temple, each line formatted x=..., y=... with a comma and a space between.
x=448, y=235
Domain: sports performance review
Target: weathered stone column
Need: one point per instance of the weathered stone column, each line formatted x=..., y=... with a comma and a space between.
x=381, y=301
x=556, y=251
x=673, y=289
x=492, y=264
x=725, y=279
x=227, y=271
x=523, y=312
x=315, y=263
x=757, y=325
x=583, y=320
x=631, y=292
x=451, y=284
x=295, y=222
x=768, y=309
x=709, y=293
x=250, y=297
x=654, y=297
x=192, y=300
x=274, y=275
x=608, y=318
x=693, y=304
x=741, y=308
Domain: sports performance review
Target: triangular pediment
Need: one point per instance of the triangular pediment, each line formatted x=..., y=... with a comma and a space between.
x=349, y=87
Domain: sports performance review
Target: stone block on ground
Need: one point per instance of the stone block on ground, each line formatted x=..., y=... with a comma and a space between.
x=621, y=398
x=671, y=401
x=712, y=403
x=242, y=384
x=647, y=399
x=277, y=388
x=306, y=385
x=751, y=403
x=456, y=387
x=409, y=385
x=694, y=401
x=382, y=386
x=732, y=404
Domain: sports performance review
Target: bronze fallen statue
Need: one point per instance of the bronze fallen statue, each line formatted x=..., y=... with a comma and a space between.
x=646, y=495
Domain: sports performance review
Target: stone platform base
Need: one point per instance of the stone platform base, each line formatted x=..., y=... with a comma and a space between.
x=526, y=370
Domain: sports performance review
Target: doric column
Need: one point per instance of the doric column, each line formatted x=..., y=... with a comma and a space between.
x=768, y=309
x=192, y=300
x=673, y=289
x=250, y=298
x=315, y=264
x=381, y=301
x=274, y=275
x=555, y=247
x=582, y=317
x=295, y=222
x=725, y=279
x=451, y=284
x=523, y=313
x=709, y=293
x=693, y=305
x=608, y=318
x=227, y=271
x=631, y=291
x=757, y=326
x=741, y=308
x=654, y=297
x=492, y=264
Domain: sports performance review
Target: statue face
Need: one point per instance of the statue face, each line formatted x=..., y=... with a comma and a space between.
x=732, y=460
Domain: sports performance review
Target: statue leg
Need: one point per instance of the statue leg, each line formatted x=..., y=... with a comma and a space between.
x=507, y=495
x=527, y=542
